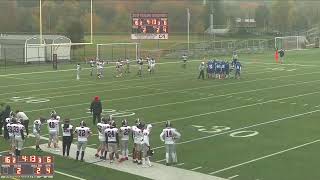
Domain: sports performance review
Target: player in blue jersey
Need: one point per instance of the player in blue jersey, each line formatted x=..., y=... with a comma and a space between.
x=210, y=68
x=223, y=69
x=238, y=68
x=227, y=69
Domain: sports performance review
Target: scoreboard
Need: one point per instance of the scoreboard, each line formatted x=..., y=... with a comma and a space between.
x=149, y=26
x=26, y=166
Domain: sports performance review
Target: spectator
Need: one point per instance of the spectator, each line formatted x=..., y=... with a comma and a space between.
x=96, y=109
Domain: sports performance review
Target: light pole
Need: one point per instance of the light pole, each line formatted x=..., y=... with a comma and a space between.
x=188, y=21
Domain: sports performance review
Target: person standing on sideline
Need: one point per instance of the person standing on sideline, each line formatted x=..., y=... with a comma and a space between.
x=78, y=71
x=2, y=106
x=96, y=110
x=276, y=56
x=67, y=133
x=169, y=136
x=281, y=53
x=24, y=120
x=202, y=67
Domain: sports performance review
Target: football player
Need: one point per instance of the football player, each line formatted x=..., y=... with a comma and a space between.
x=152, y=65
x=36, y=131
x=78, y=71
x=53, y=126
x=10, y=124
x=18, y=131
x=83, y=132
x=140, y=64
x=169, y=136
x=124, y=139
x=238, y=70
x=91, y=66
x=112, y=139
x=184, y=60
x=210, y=68
x=127, y=62
x=133, y=129
x=67, y=137
x=146, y=146
x=139, y=140
x=102, y=147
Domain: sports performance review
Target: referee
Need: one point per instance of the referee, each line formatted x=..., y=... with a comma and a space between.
x=67, y=134
x=202, y=67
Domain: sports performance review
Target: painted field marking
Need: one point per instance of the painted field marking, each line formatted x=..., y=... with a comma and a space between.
x=180, y=164
x=232, y=177
x=317, y=106
x=246, y=127
x=305, y=104
x=193, y=169
x=214, y=112
x=152, y=94
x=266, y=156
x=293, y=103
x=68, y=175
x=162, y=160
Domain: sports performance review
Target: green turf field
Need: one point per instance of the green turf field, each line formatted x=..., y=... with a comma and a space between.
x=264, y=126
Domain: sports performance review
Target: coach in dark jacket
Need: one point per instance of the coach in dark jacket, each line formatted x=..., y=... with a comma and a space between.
x=96, y=109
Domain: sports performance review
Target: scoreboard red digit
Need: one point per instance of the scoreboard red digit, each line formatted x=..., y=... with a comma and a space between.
x=26, y=166
x=149, y=26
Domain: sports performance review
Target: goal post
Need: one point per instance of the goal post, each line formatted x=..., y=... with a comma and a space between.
x=115, y=51
x=290, y=42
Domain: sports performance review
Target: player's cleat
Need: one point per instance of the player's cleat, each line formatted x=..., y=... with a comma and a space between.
x=111, y=162
x=96, y=155
x=135, y=161
x=126, y=158
x=121, y=160
x=103, y=158
x=140, y=163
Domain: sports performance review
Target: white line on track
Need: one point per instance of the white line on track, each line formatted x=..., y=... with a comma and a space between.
x=193, y=169
x=246, y=127
x=69, y=175
x=232, y=177
x=152, y=94
x=266, y=156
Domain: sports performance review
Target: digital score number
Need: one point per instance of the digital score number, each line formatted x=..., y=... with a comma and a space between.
x=26, y=166
x=149, y=26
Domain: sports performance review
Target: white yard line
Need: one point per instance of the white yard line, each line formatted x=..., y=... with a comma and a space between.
x=91, y=145
x=162, y=160
x=152, y=94
x=68, y=175
x=266, y=156
x=232, y=177
x=180, y=164
x=246, y=127
x=193, y=169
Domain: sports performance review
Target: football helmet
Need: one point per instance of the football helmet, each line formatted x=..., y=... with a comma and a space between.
x=168, y=124
x=82, y=124
x=124, y=122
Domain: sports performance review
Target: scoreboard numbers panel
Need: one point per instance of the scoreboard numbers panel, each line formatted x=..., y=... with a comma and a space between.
x=149, y=26
x=26, y=166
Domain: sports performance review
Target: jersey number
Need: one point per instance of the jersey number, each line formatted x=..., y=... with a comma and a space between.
x=52, y=125
x=82, y=133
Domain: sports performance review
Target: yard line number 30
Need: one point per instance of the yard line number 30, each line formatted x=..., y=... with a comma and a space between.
x=221, y=129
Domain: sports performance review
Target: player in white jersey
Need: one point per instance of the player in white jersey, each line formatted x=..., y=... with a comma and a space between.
x=169, y=136
x=18, y=132
x=91, y=66
x=138, y=138
x=36, y=131
x=78, y=68
x=112, y=139
x=67, y=137
x=124, y=139
x=53, y=126
x=102, y=139
x=133, y=129
x=152, y=64
x=146, y=146
x=83, y=132
x=10, y=124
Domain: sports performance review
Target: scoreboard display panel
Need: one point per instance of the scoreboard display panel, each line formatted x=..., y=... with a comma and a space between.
x=149, y=26
x=26, y=166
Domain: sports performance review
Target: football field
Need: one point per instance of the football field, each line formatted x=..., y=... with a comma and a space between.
x=264, y=126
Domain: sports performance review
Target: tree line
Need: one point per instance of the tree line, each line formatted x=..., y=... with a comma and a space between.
x=72, y=17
